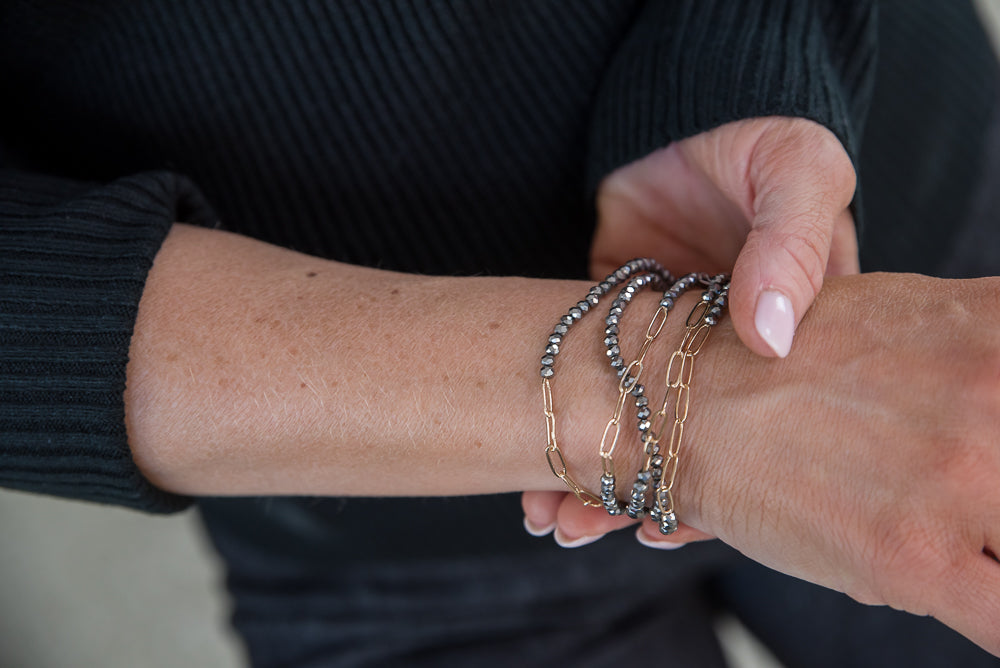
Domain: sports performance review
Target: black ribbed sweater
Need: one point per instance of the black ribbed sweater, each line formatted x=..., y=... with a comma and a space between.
x=440, y=137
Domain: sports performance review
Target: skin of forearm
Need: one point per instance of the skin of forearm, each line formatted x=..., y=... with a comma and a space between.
x=258, y=370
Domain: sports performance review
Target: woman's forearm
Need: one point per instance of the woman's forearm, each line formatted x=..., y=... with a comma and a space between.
x=257, y=370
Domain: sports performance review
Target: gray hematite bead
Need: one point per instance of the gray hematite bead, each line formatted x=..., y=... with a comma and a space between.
x=552, y=349
x=629, y=383
x=638, y=390
x=711, y=321
x=561, y=328
x=667, y=303
x=611, y=320
x=657, y=461
x=642, y=402
x=566, y=320
x=611, y=329
x=575, y=313
x=611, y=340
x=623, y=273
x=643, y=413
x=593, y=299
x=668, y=524
x=547, y=372
x=605, y=286
x=644, y=476
x=616, y=310
x=583, y=305
x=618, y=363
x=644, y=425
x=548, y=360
x=613, y=351
x=556, y=339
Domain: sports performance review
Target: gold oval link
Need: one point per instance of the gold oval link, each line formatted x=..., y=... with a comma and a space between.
x=677, y=355
x=619, y=407
x=560, y=470
x=608, y=466
x=683, y=399
x=626, y=376
x=550, y=428
x=676, y=436
x=688, y=371
x=703, y=306
x=695, y=344
x=643, y=350
x=614, y=441
x=669, y=473
x=588, y=498
x=659, y=318
x=666, y=502
x=547, y=396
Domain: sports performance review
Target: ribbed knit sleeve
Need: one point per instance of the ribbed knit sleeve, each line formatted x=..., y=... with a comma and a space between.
x=73, y=262
x=688, y=66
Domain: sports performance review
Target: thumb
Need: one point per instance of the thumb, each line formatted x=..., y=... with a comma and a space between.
x=802, y=199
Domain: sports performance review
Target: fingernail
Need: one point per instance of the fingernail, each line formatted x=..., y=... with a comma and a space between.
x=538, y=531
x=775, y=321
x=657, y=544
x=562, y=541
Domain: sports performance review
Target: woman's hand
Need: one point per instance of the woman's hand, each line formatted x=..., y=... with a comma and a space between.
x=769, y=196
x=869, y=463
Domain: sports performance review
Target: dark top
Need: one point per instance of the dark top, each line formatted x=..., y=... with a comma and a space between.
x=447, y=137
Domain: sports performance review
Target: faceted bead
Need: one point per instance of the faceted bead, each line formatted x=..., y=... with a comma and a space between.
x=552, y=349
x=593, y=299
x=611, y=340
x=548, y=360
x=642, y=402
x=555, y=339
x=618, y=363
x=583, y=305
x=561, y=328
x=613, y=351
x=643, y=413
x=547, y=372
x=612, y=319
x=575, y=313
x=611, y=329
x=638, y=390
x=566, y=320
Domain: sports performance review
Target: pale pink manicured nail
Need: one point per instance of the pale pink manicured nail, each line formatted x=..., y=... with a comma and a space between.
x=775, y=321
x=538, y=531
x=657, y=544
x=562, y=541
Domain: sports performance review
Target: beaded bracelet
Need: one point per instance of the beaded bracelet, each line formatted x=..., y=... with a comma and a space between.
x=650, y=473
x=553, y=454
x=705, y=314
x=629, y=384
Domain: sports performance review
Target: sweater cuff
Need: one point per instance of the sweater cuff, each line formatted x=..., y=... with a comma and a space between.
x=74, y=261
x=689, y=66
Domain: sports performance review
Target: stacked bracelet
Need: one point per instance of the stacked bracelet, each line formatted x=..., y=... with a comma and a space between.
x=552, y=452
x=705, y=314
x=629, y=377
x=659, y=469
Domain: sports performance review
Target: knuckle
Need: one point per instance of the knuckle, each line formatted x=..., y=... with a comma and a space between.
x=807, y=250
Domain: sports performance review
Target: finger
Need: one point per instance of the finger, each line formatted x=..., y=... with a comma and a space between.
x=540, y=510
x=803, y=182
x=649, y=535
x=971, y=604
x=578, y=525
x=844, y=247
